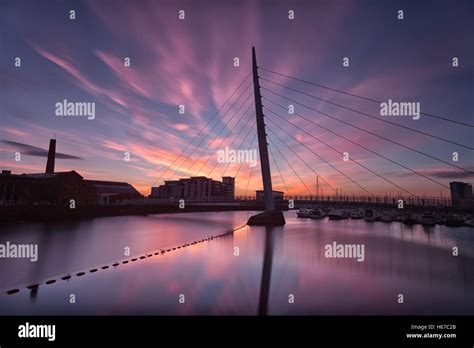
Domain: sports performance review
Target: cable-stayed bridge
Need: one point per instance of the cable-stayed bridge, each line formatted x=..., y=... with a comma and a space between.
x=291, y=108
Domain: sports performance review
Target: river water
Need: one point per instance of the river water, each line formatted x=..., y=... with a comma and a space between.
x=224, y=275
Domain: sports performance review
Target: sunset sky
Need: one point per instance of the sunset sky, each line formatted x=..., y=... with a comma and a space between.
x=191, y=62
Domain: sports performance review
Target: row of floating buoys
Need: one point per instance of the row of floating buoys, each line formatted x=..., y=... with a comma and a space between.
x=162, y=251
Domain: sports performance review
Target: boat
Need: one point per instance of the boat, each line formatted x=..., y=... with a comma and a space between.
x=428, y=219
x=336, y=214
x=304, y=213
x=317, y=214
x=369, y=215
x=441, y=220
x=411, y=219
x=398, y=218
x=386, y=217
x=454, y=221
x=469, y=222
x=357, y=215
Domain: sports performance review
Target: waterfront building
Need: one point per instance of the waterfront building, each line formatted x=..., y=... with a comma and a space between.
x=277, y=195
x=197, y=188
x=58, y=188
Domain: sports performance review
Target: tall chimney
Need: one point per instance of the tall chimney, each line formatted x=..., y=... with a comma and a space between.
x=51, y=156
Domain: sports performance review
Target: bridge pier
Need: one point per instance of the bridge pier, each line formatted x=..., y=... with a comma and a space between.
x=267, y=218
x=271, y=216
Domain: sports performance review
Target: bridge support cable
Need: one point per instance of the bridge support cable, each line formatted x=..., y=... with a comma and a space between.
x=289, y=164
x=359, y=112
x=320, y=157
x=202, y=140
x=222, y=141
x=364, y=130
x=251, y=168
x=202, y=129
x=241, y=164
x=240, y=147
x=360, y=164
x=361, y=97
x=248, y=182
x=233, y=141
x=209, y=144
x=279, y=171
x=353, y=142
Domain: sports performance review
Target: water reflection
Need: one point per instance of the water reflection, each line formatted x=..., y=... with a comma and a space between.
x=69, y=247
x=33, y=294
x=266, y=272
x=271, y=265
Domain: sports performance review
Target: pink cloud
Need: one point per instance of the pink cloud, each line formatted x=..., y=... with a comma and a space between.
x=14, y=131
x=181, y=126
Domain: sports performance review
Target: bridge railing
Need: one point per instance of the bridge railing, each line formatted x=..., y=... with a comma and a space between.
x=388, y=200
x=347, y=199
x=171, y=201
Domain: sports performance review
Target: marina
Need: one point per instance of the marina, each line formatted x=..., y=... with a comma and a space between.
x=452, y=219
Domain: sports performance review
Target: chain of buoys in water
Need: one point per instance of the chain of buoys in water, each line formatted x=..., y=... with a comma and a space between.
x=162, y=251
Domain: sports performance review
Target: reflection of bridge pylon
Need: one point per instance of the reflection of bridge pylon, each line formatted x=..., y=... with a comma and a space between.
x=270, y=217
